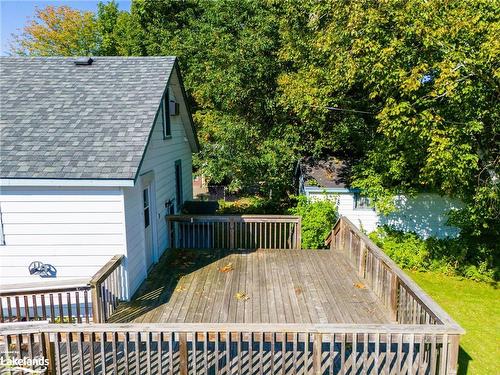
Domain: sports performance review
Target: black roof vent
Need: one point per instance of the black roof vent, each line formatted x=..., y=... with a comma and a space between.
x=83, y=61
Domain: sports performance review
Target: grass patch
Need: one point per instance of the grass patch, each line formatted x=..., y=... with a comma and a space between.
x=475, y=306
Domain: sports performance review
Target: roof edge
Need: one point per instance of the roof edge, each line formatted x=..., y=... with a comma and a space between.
x=61, y=182
x=177, y=68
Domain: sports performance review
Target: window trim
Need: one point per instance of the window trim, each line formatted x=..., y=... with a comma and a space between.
x=179, y=193
x=358, y=196
x=2, y=237
x=146, y=206
x=167, y=129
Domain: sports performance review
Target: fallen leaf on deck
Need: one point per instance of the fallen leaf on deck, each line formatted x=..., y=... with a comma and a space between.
x=298, y=290
x=360, y=285
x=242, y=296
x=227, y=268
x=180, y=289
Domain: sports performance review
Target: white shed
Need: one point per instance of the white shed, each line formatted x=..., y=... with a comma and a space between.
x=93, y=154
x=425, y=214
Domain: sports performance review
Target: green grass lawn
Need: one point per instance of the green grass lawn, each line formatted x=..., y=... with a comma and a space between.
x=476, y=307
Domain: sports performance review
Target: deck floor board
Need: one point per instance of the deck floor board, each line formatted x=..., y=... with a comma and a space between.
x=293, y=286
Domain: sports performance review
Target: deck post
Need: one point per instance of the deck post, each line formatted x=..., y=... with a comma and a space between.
x=362, y=260
x=169, y=234
x=453, y=347
x=298, y=228
x=48, y=352
x=394, y=285
x=317, y=353
x=231, y=233
x=96, y=306
x=183, y=354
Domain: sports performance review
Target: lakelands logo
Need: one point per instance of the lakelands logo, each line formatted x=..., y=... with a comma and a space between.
x=11, y=363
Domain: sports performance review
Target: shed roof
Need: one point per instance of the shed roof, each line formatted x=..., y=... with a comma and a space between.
x=65, y=121
x=328, y=172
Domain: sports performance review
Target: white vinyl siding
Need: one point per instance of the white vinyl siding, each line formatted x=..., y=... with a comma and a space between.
x=159, y=158
x=424, y=214
x=77, y=230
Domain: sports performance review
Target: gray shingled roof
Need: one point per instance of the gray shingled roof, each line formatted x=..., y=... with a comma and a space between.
x=63, y=121
x=327, y=173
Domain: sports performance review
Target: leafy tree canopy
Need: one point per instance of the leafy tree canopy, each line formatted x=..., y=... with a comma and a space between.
x=407, y=89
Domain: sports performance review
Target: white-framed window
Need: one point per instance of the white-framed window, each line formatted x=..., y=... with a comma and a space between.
x=361, y=202
x=165, y=116
x=2, y=237
x=147, y=215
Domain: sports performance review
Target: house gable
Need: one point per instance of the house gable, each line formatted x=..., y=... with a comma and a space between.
x=93, y=122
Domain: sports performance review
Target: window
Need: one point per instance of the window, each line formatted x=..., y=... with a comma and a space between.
x=2, y=238
x=165, y=116
x=145, y=197
x=361, y=202
x=178, y=185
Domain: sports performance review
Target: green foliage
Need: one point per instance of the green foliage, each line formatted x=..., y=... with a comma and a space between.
x=416, y=84
x=318, y=218
x=449, y=256
x=425, y=76
x=406, y=249
x=253, y=205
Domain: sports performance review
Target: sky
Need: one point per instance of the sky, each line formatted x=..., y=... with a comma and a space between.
x=15, y=14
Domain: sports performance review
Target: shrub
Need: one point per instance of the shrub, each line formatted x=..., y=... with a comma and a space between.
x=452, y=256
x=318, y=218
x=406, y=249
x=253, y=205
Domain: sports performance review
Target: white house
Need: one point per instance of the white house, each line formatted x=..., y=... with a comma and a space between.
x=93, y=154
x=425, y=214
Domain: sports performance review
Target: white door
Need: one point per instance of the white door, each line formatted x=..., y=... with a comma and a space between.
x=148, y=224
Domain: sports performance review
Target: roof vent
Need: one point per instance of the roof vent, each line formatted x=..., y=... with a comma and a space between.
x=83, y=61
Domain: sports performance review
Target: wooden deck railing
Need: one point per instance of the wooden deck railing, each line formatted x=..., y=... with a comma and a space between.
x=61, y=302
x=108, y=289
x=403, y=298
x=181, y=348
x=66, y=301
x=234, y=232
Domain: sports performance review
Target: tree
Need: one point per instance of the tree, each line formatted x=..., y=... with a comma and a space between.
x=424, y=80
x=58, y=31
x=228, y=53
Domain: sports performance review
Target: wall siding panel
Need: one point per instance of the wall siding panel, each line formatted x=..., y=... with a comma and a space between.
x=159, y=158
x=76, y=230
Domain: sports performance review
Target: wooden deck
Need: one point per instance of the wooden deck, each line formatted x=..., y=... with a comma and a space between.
x=263, y=286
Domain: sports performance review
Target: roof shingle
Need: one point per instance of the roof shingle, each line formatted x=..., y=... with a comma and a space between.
x=63, y=121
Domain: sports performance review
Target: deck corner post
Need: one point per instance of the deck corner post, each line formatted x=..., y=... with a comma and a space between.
x=183, y=354
x=170, y=237
x=343, y=236
x=453, y=347
x=318, y=340
x=96, y=306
